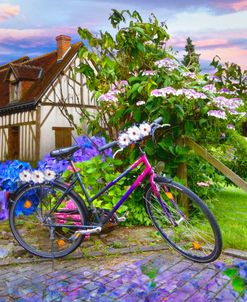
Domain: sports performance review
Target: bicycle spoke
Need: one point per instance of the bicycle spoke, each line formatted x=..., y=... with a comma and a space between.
x=193, y=234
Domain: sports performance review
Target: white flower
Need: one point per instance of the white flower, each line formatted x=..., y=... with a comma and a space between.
x=123, y=140
x=148, y=73
x=49, y=175
x=145, y=129
x=140, y=102
x=25, y=176
x=38, y=177
x=134, y=133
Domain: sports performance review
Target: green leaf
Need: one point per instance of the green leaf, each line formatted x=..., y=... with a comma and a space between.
x=137, y=115
x=179, y=110
x=188, y=126
x=238, y=284
x=231, y=272
x=86, y=70
x=141, y=47
x=139, y=30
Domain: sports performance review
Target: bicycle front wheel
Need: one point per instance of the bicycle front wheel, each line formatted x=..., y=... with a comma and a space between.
x=42, y=232
x=184, y=221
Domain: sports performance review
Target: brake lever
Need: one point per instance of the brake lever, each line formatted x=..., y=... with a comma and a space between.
x=119, y=150
x=157, y=126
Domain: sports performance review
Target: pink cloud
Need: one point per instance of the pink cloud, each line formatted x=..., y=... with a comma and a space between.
x=7, y=34
x=211, y=42
x=8, y=10
x=230, y=54
x=237, y=5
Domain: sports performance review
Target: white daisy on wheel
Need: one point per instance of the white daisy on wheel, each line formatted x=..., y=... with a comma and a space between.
x=38, y=177
x=123, y=140
x=145, y=129
x=134, y=133
x=25, y=176
x=49, y=175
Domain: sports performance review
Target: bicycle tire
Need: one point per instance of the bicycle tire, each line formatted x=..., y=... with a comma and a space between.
x=206, y=244
x=29, y=214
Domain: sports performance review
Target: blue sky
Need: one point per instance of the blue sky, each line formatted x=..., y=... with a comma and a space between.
x=29, y=27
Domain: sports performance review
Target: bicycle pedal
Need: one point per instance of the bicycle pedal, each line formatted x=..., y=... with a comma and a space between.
x=123, y=218
x=85, y=232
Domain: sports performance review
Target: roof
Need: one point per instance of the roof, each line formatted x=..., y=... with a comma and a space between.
x=24, y=72
x=20, y=60
x=30, y=69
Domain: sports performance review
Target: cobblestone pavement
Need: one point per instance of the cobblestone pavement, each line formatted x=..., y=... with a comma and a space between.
x=151, y=276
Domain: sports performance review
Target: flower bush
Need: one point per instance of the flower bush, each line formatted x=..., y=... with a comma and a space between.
x=96, y=174
x=157, y=84
x=12, y=172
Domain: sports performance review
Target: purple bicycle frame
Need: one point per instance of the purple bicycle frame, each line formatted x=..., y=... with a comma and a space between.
x=147, y=171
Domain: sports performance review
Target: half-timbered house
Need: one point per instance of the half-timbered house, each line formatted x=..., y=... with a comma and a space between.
x=36, y=95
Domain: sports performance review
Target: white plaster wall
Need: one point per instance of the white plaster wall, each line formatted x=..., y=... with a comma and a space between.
x=72, y=93
x=55, y=119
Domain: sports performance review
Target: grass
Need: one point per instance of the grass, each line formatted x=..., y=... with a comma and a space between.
x=230, y=211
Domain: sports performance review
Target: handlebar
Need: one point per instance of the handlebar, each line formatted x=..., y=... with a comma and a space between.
x=108, y=146
x=154, y=126
x=158, y=120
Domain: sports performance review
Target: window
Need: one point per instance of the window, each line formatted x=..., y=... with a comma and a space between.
x=14, y=143
x=63, y=137
x=15, y=91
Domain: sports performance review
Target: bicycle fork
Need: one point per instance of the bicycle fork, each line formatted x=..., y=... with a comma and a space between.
x=156, y=188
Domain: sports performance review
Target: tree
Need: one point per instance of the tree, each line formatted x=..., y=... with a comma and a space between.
x=136, y=78
x=191, y=59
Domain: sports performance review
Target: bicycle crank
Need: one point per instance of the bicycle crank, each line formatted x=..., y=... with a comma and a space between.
x=85, y=232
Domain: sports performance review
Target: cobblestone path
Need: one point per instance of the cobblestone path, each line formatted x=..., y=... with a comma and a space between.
x=154, y=276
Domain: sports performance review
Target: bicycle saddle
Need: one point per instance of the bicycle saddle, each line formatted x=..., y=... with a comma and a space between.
x=64, y=152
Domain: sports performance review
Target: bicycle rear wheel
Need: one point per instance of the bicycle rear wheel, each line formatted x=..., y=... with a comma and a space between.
x=193, y=232
x=43, y=233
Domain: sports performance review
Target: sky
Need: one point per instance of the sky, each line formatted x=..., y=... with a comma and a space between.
x=216, y=27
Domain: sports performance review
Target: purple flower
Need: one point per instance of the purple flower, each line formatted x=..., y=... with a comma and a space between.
x=156, y=92
x=189, y=74
x=209, y=88
x=234, y=112
x=230, y=126
x=217, y=113
x=237, y=101
x=3, y=205
x=109, y=96
x=168, y=90
x=226, y=91
x=166, y=63
x=163, y=91
x=123, y=83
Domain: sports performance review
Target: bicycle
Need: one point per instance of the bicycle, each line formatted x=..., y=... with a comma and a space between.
x=50, y=220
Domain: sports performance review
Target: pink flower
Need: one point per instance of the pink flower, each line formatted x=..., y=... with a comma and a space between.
x=71, y=169
x=202, y=184
x=64, y=217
